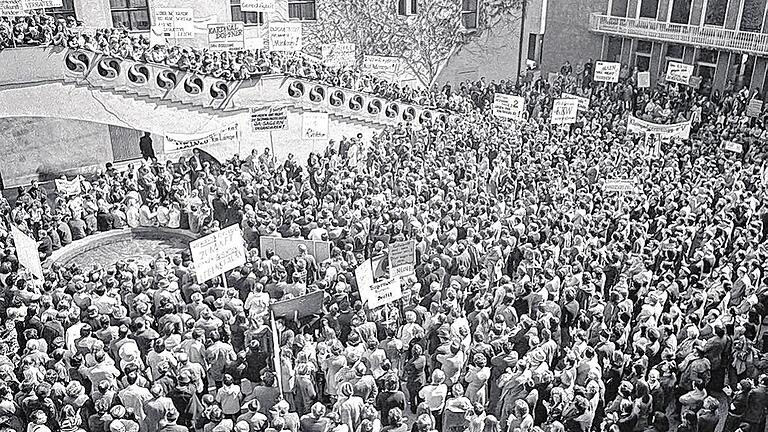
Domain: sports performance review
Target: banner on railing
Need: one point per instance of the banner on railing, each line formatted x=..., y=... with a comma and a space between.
x=338, y=55
x=285, y=37
x=664, y=131
x=176, y=23
x=257, y=5
x=314, y=125
x=644, y=79
x=508, y=106
x=564, y=111
x=229, y=135
x=607, y=72
x=583, y=102
x=679, y=73
x=226, y=36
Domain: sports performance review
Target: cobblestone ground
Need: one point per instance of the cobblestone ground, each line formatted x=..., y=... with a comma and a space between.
x=141, y=250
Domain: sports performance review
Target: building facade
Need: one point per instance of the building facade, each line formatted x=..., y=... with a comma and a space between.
x=725, y=40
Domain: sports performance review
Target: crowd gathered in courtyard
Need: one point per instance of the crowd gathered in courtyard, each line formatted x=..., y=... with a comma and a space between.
x=539, y=302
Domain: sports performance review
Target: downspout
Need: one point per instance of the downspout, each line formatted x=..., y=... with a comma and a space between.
x=520, y=45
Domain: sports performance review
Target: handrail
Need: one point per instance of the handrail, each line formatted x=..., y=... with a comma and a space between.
x=714, y=37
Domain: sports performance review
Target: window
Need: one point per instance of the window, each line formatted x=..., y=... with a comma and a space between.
x=408, y=7
x=130, y=14
x=681, y=11
x=619, y=8
x=643, y=55
x=675, y=52
x=302, y=9
x=469, y=15
x=67, y=9
x=752, y=15
x=649, y=8
x=246, y=17
x=715, y=15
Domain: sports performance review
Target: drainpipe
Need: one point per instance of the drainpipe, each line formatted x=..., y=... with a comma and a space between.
x=520, y=45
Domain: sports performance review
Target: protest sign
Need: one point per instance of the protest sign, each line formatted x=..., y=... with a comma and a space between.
x=12, y=8
x=644, y=79
x=285, y=37
x=364, y=277
x=226, y=36
x=583, y=102
x=217, y=253
x=299, y=307
x=177, y=23
x=695, y=82
x=42, y=4
x=508, y=106
x=381, y=66
x=679, y=73
x=732, y=146
x=257, y=5
x=665, y=131
x=617, y=185
x=552, y=77
x=607, y=72
x=269, y=118
x=338, y=55
x=26, y=252
x=314, y=125
x=564, y=111
x=382, y=293
x=402, y=258
x=754, y=108
x=177, y=142
x=288, y=248
x=68, y=187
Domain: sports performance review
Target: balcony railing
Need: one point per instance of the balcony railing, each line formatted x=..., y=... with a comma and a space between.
x=710, y=37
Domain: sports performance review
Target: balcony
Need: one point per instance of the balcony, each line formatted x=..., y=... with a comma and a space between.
x=710, y=37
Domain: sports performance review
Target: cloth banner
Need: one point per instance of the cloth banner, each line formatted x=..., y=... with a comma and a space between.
x=402, y=258
x=564, y=111
x=285, y=37
x=382, y=293
x=679, y=73
x=299, y=307
x=217, y=253
x=381, y=66
x=68, y=187
x=226, y=36
x=607, y=72
x=42, y=4
x=508, y=106
x=314, y=125
x=26, y=252
x=269, y=118
x=338, y=55
x=665, y=131
x=229, y=135
x=583, y=102
x=177, y=23
x=288, y=248
x=257, y=5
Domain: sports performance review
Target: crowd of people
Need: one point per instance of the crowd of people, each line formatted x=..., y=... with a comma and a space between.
x=539, y=301
x=39, y=29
